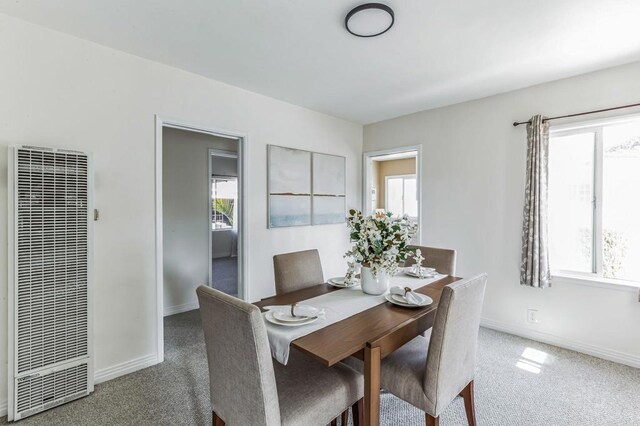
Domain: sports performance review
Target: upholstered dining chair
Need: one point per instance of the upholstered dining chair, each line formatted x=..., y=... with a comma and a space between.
x=430, y=372
x=248, y=388
x=442, y=260
x=297, y=270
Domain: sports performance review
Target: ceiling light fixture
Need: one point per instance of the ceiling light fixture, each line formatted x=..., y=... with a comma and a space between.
x=369, y=20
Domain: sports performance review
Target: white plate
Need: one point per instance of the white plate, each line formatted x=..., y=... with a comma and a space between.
x=426, y=273
x=400, y=301
x=303, y=313
x=269, y=317
x=425, y=300
x=339, y=282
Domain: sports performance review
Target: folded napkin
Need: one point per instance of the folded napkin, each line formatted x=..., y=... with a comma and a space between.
x=411, y=297
x=299, y=310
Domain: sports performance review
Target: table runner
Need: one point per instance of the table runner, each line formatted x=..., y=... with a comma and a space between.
x=337, y=305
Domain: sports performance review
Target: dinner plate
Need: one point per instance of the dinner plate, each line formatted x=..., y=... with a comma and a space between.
x=427, y=273
x=399, y=300
x=302, y=313
x=269, y=317
x=339, y=282
x=425, y=300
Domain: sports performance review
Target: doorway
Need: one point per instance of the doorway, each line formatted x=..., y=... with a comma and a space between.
x=223, y=241
x=200, y=217
x=392, y=183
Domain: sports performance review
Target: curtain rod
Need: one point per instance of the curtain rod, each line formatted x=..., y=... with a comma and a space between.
x=517, y=123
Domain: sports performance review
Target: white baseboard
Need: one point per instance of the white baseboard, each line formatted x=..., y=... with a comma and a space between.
x=178, y=309
x=126, y=367
x=552, y=339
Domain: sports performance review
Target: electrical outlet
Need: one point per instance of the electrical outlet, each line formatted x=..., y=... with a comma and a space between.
x=532, y=316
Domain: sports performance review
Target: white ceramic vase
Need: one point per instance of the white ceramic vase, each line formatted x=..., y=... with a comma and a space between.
x=373, y=285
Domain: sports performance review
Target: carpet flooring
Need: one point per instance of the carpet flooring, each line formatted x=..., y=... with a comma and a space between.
x=518, y=382
x=225, y=275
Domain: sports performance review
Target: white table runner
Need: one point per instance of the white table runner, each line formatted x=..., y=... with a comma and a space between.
x=338, y=305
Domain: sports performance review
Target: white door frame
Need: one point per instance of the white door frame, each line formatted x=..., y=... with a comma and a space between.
x=243, y=238
x=367, y=159
x=218, y=153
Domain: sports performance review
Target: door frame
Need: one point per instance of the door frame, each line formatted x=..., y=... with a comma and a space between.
x=243, y=237
x=367, y=160
x=225, y=154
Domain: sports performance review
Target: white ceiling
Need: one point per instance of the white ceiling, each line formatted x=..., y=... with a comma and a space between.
x=439, y=52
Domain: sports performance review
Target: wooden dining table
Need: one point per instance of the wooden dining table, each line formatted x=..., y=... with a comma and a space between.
x=370, y=335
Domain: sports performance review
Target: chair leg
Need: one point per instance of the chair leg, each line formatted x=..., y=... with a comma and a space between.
x=357, y=411
x=217, y=421
x=344, y=419
x=469, y=403
x=334, y=422
x=431, y=421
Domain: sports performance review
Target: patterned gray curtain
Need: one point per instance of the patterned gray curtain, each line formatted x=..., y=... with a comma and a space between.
x=534, y=267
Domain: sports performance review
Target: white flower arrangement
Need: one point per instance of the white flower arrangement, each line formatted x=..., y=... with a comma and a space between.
x=417, y=267
x=381, y=241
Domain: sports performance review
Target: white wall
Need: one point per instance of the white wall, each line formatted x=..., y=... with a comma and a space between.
x=473, y=192
x=58, y=90
x=186, y=214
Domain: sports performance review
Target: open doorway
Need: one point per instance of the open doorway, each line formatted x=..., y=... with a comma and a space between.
x=223, y=185
x=392, y=180
x=200, y=220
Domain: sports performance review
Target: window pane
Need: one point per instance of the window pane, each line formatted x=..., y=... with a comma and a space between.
x=394, y=196
x=621, y=201
x=410, y=197
x=571, y=190
x=224, y=193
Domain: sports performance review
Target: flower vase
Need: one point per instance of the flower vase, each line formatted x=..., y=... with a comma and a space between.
x=371, y=284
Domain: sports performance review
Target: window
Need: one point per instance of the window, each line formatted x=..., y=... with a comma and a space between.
x=224, y=195
x=594, y=200
x=401, y=195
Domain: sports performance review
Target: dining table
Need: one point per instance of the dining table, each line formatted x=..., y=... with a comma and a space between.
x=369, y=335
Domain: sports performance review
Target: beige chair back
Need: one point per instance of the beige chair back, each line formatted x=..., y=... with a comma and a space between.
x=241, y=376
x=454, y=340
x=297, y=270
x=443, y=260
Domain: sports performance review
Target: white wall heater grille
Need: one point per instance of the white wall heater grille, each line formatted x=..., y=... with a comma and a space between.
x=49, y=351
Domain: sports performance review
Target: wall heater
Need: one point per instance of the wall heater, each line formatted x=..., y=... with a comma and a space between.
x=50, y=343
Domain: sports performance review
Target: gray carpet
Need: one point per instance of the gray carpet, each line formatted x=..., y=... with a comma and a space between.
x=518, y=382
x=225, y=275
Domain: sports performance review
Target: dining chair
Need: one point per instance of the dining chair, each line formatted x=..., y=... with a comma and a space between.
x=442, y=260
x=248, y=388
x=430, y=372
x=297, y=270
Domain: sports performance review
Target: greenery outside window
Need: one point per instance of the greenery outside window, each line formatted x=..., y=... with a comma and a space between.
x=224, y=196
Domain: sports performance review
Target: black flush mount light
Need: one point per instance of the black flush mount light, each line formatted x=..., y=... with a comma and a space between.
x=369, y=20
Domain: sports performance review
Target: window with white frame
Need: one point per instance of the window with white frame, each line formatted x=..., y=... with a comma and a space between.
x=401, y=195
x=594, y=199
x=224, y=196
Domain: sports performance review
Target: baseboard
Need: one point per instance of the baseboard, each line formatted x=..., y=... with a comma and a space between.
x=562, y=342
x=126, y=367
x=178, y=309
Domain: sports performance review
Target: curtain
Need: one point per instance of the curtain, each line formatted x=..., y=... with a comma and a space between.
x=534, y=267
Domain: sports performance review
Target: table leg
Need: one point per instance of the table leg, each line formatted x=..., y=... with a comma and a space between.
x=371, y=386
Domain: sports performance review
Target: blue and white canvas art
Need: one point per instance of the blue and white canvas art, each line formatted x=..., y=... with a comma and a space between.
x=329, y=189
x=289, y=184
